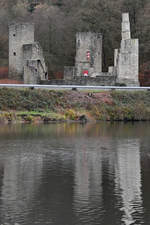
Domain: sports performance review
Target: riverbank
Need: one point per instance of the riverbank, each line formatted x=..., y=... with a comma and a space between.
x=38, y=106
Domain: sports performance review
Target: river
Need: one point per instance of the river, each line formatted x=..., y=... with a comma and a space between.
x=74, y=174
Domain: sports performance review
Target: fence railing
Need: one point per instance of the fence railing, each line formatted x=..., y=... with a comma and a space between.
x=73, y=87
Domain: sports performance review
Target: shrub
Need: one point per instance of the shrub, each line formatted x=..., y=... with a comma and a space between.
x=71, y=114
x=28, y=118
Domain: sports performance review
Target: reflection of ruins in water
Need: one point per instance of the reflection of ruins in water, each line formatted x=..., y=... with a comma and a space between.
x=21, y=179
x=114, y=163
x=94, y=170
x=88, y=190
x=128, y=180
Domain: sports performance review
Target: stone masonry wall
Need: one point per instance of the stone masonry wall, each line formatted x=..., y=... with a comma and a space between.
x=31, y=53
x=104, y=80
x=128, y=62
x=69, y=72
x=31, y=67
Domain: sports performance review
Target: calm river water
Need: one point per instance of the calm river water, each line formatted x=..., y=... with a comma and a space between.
x=73, y=174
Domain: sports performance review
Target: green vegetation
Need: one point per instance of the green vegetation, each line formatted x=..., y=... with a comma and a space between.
x=30, y=100
x=26, y=105
x=126, y=106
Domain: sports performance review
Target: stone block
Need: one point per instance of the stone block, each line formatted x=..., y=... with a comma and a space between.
x=69, y=72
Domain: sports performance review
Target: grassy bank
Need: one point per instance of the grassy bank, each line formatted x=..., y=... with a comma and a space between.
x=26, y=105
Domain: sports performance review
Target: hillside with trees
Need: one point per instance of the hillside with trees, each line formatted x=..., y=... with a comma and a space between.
x=57, y=21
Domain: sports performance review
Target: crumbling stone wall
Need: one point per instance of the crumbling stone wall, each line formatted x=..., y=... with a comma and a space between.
x=31, y=67
x=34, y=65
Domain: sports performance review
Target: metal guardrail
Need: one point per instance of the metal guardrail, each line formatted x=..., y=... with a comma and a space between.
x=50, y=87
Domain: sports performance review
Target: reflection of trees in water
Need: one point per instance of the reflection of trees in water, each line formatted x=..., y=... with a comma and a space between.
x=102, y=129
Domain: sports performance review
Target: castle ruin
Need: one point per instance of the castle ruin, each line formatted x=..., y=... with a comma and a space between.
x=88, y=61
x=26, y=60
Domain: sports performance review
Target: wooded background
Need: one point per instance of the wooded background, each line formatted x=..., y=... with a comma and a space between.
x=57, y=21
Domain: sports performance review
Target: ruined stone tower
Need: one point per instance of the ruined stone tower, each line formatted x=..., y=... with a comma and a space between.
x=26, y=61
x=88, y=54
x=19, y=34
x=126, y=59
